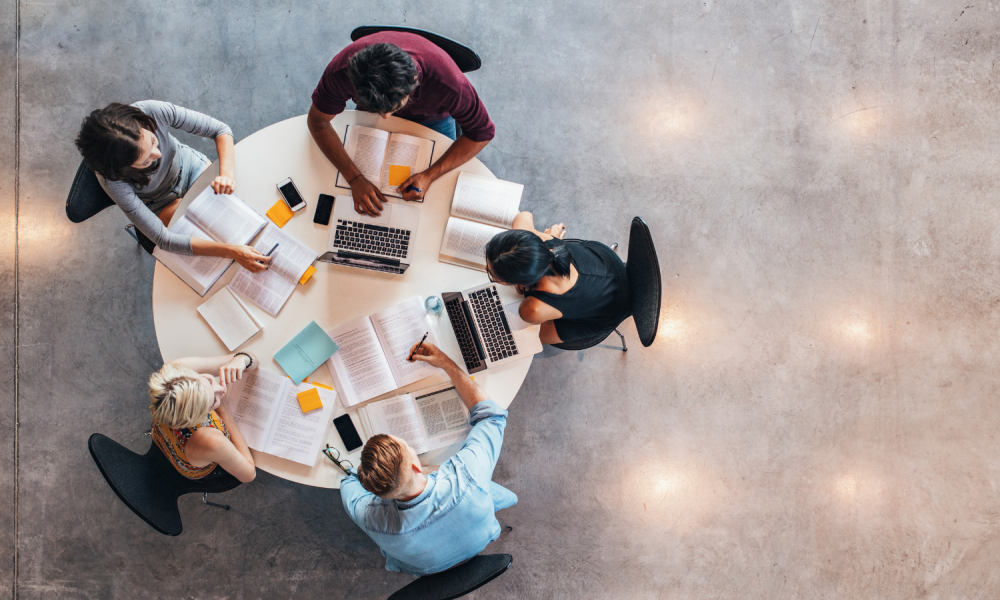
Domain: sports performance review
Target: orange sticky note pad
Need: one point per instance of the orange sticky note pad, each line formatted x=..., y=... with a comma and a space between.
x=280, y=213
x=398, y=174
x=309, y=400
x=309, y=273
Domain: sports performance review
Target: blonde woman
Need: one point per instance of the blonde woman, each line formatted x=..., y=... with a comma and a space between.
x=191, y=425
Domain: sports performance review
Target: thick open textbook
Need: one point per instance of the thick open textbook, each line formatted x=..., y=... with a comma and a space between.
x=373, y=352
x=229, y=318
x=224, y=218
x=270, y=289
x=384, y=158
x=267, y=413
x=481, y=208
x=427, y=419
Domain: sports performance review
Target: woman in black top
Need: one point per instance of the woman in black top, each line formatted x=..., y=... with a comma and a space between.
x=574, y=289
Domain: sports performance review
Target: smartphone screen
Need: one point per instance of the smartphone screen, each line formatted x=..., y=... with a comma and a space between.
x=348, y=434
x=323, y=208
x=290, y=194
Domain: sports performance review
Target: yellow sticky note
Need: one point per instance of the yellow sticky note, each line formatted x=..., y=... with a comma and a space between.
x=398, y=174
x=280, y=213
x=322, y=385
x=309, y=400
x=309, y=273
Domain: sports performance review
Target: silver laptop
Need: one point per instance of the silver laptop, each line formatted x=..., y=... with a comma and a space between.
x=489, y=333
x=383, y=243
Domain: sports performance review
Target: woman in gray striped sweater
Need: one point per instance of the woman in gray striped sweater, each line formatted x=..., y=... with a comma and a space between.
x=146, y=171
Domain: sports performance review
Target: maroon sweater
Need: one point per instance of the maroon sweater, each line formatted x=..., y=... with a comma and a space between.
x=442, y=89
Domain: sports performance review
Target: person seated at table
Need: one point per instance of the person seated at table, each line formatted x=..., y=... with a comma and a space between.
x=146, y=171
x=406, y=75
x=191, y=425
x=575, y=289
x=425, y=522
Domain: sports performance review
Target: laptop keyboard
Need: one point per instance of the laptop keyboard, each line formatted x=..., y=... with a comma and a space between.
x=374, y=239
x=462, y=333
x=493, y=327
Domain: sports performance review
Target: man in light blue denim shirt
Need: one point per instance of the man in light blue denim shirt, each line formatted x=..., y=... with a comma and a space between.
x=428, y=523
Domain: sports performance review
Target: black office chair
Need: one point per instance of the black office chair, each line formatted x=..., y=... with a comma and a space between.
x=646, y=284
x=456, y=581
x=464, y=57
x=149, y=485
x=87, y=198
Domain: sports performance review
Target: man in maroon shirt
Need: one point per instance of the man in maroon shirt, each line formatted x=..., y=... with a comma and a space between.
x=401, y=74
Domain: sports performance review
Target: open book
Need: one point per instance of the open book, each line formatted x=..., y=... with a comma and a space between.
x=373, y=352
x=481, y=208
x=428, y=419
x=270, y=289
x=229, y=318
x=384, y=158
x=267, y=413
x=224, y=218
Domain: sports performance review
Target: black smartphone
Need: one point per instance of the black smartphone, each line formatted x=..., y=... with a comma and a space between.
x=348, y=434
x=323, y=209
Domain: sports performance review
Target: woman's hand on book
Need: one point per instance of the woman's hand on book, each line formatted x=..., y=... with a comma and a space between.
x=250, y=259
x=367, y=199
x=223, y=185
x=430, y=354
x=230, y=372
x=414, y=188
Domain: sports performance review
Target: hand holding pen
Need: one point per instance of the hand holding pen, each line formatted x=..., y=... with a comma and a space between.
x=417, y=347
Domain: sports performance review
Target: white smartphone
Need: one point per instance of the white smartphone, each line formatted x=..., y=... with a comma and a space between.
x=290, y=194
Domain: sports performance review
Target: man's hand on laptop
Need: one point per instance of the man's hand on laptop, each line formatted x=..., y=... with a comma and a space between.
x=432, y=355
x=367, y=199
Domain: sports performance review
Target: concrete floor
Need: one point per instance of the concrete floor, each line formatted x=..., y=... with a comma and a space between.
x=817, y=419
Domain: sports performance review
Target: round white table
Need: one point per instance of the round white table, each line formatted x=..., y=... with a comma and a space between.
x=335, y=294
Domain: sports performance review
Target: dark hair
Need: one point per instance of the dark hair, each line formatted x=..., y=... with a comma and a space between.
x=521, y=257
x=109, y=142
x=381, y=463
x=382, y=75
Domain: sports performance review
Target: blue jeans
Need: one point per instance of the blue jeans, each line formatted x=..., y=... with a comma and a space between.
x=502, y=497
x=445, y=127
x=193, y=164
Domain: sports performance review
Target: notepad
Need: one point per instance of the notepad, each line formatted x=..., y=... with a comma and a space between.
x=229, y=318
x=280, y=213
x=307, y=351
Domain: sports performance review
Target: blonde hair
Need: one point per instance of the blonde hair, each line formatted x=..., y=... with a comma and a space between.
x=177, y=398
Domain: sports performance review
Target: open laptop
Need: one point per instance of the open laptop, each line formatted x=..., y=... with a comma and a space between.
x=487, y=333
x=383, y=243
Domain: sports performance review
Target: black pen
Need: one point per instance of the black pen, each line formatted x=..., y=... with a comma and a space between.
x=419, y=344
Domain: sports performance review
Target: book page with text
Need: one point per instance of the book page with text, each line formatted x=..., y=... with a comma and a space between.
x=366, y=147
x=408, y=151
x=225, y=217
x=266, y=289
x=397, y=416
x=296, y=435
x=199, y=272
x=444, y=416
x=359, y=369
x=486, y=200
x=292, y=257
x=464, y=243
x=398, y=328
x=253, y=401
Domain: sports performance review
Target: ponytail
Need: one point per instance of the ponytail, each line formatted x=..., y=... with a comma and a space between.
x=560, y=259
x=520, y=257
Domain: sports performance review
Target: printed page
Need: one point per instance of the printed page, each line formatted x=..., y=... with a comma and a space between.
x=398, y=328
x=229, y=318
x=266, y=289
x=199, y=272
x=292, y=257
x=409, y=151
x=397, y=416
x=225, y=217
x=444, y=416
x=464, y=243
x=253, y=401
x=360, y=370
x=296, y=435
x=486, y=200
x=366, y=147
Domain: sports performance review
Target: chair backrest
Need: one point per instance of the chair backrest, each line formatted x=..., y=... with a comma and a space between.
x=644, y=278
x=464, y=57
x=148, y=484
x=86, y=196
x=457, y=581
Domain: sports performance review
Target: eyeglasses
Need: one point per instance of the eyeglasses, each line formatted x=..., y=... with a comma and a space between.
x=490, y=275
x=334, y=455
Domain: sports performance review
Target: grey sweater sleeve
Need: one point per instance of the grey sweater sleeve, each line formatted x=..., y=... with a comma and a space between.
x=181, y=118
x=144, y=219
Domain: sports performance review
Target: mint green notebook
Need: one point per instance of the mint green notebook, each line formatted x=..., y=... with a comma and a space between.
x=306, y=352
